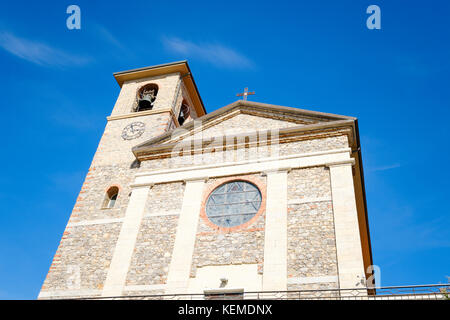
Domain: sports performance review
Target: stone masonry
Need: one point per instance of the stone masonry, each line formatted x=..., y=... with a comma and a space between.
x=82, y=262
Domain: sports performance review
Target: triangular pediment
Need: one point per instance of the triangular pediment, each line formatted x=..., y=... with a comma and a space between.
x=243, y=117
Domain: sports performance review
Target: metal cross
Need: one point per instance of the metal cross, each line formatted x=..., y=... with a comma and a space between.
x=245, y=94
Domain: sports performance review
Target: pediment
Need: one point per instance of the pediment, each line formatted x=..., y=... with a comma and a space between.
x=243, y=117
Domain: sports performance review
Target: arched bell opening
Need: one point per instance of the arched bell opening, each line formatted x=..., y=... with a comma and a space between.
x=184, y=113
x=146, y=97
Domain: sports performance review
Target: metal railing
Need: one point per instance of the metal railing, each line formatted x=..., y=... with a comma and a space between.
x=418, y=292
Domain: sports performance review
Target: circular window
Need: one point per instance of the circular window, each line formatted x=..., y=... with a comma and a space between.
x=233, y=203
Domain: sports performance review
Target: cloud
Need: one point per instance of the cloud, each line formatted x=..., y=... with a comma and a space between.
x=114, y=47
x=103, y=33
x=108, y=36
x=384, y=168
x=38, y=52
x=214, y=53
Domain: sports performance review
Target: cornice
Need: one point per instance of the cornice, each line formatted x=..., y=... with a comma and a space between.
x=139, y=114
x=218, y=143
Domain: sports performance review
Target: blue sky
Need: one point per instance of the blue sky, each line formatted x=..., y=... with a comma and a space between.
x=56, y=89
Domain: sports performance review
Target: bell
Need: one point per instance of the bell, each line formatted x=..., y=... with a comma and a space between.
x=145, y=103
x=181, y=118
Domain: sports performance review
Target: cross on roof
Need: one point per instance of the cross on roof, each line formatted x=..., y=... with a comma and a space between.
x=245, y=94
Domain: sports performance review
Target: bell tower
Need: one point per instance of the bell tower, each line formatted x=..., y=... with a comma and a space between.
x=152, y=101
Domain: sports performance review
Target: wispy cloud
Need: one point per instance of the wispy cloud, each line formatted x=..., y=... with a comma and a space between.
x=214, y=53
x=114, y=46
x=38, y=52
x=106, y=35
x=384, y=168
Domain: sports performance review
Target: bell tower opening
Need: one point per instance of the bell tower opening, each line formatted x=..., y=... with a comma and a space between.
x=184, y=112
x=146, y=97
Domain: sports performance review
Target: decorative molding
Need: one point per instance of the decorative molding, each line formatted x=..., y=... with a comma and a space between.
x=94, y=222
x=150, y=287
x=139, y=114
x=309, y=200
x=161, y=214
x=308, y=280
x=275, y=170
x=293, y=156
x=324, y=158
x=330, y=121
x=156, y=150
x=204, y=179
x=69, y=293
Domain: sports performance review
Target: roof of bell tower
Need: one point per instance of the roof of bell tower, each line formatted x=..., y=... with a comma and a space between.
x=180, y=67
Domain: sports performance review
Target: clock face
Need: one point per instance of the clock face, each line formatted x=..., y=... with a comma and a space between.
x=133, y=130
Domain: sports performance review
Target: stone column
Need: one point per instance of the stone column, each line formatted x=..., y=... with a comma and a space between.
x=118, y=269
x=348, y=242
x=275, y=238
x=183, y=250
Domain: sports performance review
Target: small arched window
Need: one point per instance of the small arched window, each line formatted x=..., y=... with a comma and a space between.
x=111, y=197
x=146, y=97
x=184, y=113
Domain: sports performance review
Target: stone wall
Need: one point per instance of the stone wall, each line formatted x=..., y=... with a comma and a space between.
x=311, y=238
x=113, y=149
x=315, y=145
x=154, y=245
x=87, y=249
x=308, y=290
x=153, y=251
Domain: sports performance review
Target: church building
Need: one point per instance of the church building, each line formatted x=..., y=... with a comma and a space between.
x=251, y=198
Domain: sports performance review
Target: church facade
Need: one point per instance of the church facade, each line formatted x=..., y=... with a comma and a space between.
x=249, y=198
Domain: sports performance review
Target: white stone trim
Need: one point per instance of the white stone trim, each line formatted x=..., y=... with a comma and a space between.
x=309, y=200
x=328, y=158
x=163, y=213
x=275, y=237
x=94, y=222
x=298, y=155
x=69, y=293
x=348, y=241
x=150, y=287
x=139, y=114
x=183, y=249
x=123, y=252
x=308, y=280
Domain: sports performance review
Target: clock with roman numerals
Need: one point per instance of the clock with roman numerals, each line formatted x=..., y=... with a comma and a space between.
x=133, y=130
